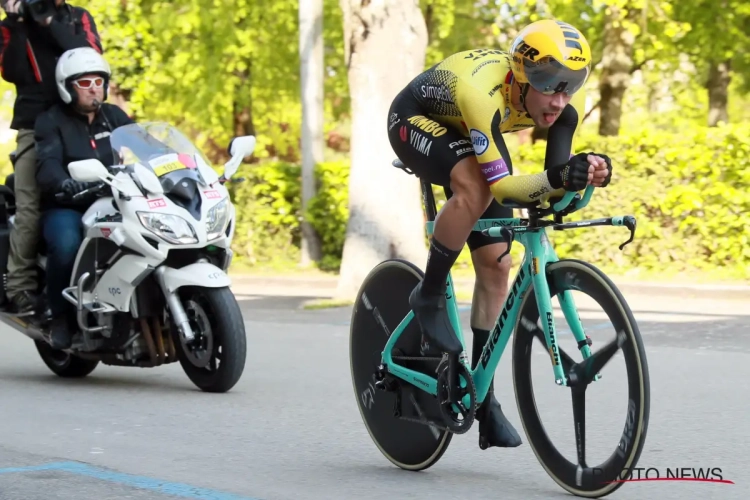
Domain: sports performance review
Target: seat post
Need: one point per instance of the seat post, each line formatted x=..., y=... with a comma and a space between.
x=428, y=197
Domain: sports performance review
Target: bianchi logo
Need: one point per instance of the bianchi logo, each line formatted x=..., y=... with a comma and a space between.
x=437, y=92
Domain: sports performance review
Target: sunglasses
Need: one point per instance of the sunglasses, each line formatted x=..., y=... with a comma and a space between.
x=87, y=83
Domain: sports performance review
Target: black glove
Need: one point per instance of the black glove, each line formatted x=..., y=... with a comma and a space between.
x=573, y=176
x=72, y=187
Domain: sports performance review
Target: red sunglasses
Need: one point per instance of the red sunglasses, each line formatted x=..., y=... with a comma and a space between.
x=87, y=83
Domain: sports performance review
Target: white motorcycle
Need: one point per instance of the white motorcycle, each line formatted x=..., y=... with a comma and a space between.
x=149, y=284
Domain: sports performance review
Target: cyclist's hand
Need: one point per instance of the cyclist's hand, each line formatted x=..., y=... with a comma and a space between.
x=577, y=173
x=602, y=169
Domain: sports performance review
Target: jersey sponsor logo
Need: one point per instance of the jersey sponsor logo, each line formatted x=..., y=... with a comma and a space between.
x=463, y=151
x=537, y=194
x=402, y=133
x=478, y=54
x=392, y=121
x=437, y=92
x=485, y=63
x=506, y=115
x=480, y=141
x=425, y=124
x=458, y=143
x=494, y=170
x=495, y=89
x=420, y=142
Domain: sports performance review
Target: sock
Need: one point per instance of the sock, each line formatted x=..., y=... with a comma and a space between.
x=439, y=262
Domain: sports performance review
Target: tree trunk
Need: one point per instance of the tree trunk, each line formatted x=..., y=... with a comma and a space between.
x=617, y=62
x=718, y=92
x=311, y=77
x=385, y=45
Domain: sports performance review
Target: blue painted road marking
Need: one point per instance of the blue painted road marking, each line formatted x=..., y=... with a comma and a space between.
x=141, y=482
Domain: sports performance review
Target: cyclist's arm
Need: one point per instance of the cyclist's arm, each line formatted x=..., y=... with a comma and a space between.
x=561, y=134
x=483, y=116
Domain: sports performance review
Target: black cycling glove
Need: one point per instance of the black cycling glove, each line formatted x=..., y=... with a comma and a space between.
x=573, y=176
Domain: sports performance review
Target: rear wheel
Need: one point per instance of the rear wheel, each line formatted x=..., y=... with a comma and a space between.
x=381, y=304
x=215, y=359
x=581, y=479
x=64, y=364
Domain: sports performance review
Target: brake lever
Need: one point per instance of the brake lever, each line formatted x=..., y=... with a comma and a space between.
x=509, y=235
x=629, y=222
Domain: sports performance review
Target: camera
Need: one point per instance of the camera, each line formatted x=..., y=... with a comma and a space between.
x=37, y=9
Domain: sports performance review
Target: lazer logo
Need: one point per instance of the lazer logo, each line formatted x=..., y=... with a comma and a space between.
x=576, y=58
x=510, y=301
x=425, y=124
x=420, y=143
x=526, y=50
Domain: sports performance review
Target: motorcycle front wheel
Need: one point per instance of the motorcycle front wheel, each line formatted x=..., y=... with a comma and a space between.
x=215, y=359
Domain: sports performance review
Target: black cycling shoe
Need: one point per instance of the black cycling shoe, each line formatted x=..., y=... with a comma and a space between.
x=60, y=334
x=494, y=428
x=432, y=316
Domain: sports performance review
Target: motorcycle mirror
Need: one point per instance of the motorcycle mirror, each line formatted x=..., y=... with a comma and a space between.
x=148, y=179
x=239, y=148
x=90, y=170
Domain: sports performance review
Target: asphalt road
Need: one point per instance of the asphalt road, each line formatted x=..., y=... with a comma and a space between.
x=291, y=428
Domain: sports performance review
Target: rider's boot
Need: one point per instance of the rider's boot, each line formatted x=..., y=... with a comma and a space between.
x=494, y=428
x=432, y=316
x=61, y=336
x=428, y=301
x=24, y=302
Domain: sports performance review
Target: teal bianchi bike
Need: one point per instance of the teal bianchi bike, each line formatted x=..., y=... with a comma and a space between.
x=413, y=404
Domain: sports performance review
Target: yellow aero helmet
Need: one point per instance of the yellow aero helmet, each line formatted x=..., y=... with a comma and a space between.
x=551, y=56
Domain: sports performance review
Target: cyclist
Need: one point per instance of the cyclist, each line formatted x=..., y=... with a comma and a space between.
x=447, y=126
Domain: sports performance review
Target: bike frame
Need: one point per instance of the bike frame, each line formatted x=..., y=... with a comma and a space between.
x=538, y=252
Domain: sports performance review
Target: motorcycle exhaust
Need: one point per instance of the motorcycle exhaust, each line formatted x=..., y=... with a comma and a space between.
x=28, y=329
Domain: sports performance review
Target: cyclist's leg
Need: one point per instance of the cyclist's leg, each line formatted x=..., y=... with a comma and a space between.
x=490, y=290
x=446, y=160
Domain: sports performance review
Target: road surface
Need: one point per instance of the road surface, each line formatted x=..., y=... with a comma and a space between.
x=291, y=429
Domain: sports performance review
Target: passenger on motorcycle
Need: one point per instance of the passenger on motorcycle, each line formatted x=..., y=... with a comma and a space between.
x=79, y=129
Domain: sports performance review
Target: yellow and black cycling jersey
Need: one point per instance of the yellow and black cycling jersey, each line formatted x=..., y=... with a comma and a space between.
x=471, y=91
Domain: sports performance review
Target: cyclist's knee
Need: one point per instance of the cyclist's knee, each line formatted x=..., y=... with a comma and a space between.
x=469, y=187
x=491, y=274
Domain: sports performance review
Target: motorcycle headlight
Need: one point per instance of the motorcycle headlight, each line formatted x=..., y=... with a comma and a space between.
x=217, y=220
x=170, y=228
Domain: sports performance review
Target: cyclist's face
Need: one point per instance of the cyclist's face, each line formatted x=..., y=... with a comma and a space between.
x=545, y=109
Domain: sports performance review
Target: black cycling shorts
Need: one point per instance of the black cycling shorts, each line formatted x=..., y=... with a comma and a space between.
x=431, y=151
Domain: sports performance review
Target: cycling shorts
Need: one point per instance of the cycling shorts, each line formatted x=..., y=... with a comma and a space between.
x=431, y=149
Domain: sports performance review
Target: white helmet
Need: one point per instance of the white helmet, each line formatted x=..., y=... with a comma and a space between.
x=75, y=63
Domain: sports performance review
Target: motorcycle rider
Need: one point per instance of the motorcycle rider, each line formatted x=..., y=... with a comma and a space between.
x=32, y=40
x=78, y=129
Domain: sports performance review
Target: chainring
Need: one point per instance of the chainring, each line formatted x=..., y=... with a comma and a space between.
x=457, y=417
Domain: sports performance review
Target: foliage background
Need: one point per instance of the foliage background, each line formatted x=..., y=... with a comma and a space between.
x=219, y=68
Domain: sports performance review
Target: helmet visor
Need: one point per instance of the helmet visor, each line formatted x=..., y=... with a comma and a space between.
x=549, y=76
